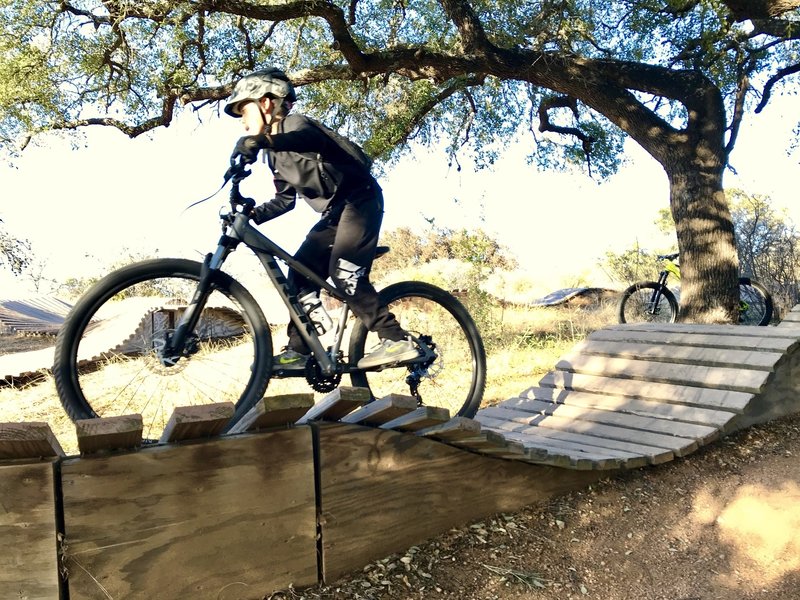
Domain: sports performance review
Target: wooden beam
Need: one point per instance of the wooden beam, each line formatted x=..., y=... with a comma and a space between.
x=383, y=491
x=194, y=422
x=275, y=411
x=382, y=411
x=28, y=543
x=337, y=404
x=109, y=433
x=230, y=517
x=28, y=440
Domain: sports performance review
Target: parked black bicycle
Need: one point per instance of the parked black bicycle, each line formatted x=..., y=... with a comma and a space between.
x=201, y=337
x=653, y=301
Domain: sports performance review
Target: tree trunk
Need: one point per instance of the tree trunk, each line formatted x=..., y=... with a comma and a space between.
x=709, y=261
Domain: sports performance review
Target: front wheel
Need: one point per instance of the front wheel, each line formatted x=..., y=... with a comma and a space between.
x=456, y=378
x=110, y=358
x=755, y=303
x=648, y=302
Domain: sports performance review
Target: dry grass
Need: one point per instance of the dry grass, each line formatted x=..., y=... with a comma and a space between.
x=522, y=345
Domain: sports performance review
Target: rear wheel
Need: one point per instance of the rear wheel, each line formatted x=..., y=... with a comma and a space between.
x=648, y=302
x=755, y=303
x=456, y=378
x=110, y=359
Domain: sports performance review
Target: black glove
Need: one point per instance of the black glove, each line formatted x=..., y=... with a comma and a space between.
x=261, y=214
x=248, y=148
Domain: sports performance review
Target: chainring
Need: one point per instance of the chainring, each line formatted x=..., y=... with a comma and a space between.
x=319, y=382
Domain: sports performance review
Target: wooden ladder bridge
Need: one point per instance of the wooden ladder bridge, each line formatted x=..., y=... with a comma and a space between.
x=299, y=493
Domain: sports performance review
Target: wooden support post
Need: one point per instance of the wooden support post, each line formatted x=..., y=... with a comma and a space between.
x=28, y=527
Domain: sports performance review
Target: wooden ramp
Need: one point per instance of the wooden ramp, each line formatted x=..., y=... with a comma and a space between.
x=298, y=493
x=631, y=395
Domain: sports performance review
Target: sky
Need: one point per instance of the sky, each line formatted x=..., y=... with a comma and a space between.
x=83, y=204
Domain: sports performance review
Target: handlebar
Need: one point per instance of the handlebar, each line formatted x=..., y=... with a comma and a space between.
x=668, y=256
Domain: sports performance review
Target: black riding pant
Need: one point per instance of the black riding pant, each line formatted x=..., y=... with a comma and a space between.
x=342, y=246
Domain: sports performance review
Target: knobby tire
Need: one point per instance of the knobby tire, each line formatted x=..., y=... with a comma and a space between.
x=635, y=305
x=758, y=307
x=106, y=355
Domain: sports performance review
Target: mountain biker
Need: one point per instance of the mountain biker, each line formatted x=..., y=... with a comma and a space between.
x=306, y=162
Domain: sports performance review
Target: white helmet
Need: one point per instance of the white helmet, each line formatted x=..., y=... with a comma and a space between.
x=270, y=82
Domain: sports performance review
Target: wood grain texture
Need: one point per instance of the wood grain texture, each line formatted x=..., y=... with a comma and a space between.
x=193, y=422
x=228, y=518
x=337, y=404
x=28, y=440
x=28, y=543
x=110, y=433
x=383, y=491
x=270, y=412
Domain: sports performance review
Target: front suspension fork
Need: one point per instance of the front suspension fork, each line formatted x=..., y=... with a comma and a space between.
x=176, y=343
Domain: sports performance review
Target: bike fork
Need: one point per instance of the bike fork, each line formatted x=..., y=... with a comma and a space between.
x=176, y=343
x=654, y=300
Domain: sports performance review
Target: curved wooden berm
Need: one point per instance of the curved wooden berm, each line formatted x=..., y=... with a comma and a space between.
x=300, y=493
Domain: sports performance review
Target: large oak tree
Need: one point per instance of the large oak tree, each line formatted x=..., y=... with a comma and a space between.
x=676, y=76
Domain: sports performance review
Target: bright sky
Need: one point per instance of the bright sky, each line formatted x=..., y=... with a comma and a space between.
x=83, y=207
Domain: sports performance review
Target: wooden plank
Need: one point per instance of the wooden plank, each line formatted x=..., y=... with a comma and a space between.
x=579, y=455
x=275, y=411
x=194, y=422
x=455, y=429
x=740, y=380
x=735, y=402
x=341, y=401
x=110, y=433
x=28, y=440
x=383, y=491
x=693, y=328
x=28, y=543
x=420, y=418
x=381, y=411
x=701, y=433
x=634, y=406
x=679, y=445
x=675, y=353
x=229, y=517
x=517, y=421
x=493, y=443
x=733, y=342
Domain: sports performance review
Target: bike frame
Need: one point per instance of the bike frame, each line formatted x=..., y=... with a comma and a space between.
x=240, y=231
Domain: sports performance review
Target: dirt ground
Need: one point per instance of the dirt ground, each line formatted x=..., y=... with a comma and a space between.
x=720, y=524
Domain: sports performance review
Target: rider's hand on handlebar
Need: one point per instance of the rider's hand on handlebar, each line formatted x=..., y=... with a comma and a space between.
x=248, y=147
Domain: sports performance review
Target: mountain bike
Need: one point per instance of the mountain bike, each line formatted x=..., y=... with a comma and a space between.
x=173, y=332
x=653, y=301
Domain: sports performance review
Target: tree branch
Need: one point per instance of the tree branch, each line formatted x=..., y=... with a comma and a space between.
x=545, y=124
x=785, y=72
x=469, y=26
